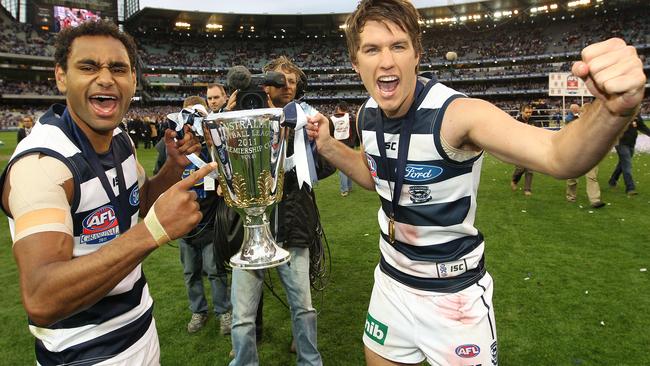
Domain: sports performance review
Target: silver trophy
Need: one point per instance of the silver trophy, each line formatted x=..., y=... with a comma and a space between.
x=249, y=148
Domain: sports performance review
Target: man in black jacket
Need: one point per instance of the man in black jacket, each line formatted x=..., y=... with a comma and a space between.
x=625, y=151
x=28, y=123
x=295, y=222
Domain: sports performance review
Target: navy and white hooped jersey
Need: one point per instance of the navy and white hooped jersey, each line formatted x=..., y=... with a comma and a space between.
x=123, y=316
x=437, y=248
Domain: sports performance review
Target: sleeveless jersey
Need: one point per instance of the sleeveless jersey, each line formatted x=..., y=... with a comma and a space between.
x=437, y=248
x=123, y=316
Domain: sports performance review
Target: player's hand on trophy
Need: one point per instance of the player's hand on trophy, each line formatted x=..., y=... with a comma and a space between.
x=177, y=209
x=318, y=128
x=614, y=74
x=178, y=149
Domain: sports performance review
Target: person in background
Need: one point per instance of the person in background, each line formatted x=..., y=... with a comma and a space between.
x=525, y=113
x=217, y=97
x=197, y=252
x=296, y=220
x=345, y=130
x=593, y=188
x=625, y=152
x=27, y=123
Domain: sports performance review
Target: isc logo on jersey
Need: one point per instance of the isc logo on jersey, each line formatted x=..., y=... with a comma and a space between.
x=468, y=350
x=100, y=226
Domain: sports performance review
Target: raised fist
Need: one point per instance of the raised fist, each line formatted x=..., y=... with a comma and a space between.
x=614, y=74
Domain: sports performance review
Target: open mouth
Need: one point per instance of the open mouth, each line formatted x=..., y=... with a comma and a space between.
x=387, y=84
x=103, y=104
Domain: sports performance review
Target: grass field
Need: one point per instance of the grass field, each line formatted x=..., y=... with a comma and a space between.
x=569, y=289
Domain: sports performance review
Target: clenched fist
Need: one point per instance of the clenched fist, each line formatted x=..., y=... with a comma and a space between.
x=614, y=74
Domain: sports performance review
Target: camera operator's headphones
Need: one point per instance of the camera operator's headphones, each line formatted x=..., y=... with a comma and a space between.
x=301, y=84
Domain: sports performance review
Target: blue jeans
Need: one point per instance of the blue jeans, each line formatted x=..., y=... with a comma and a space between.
x=345, y=182
x=624, y=166
x=197, y=256
x=246, y=291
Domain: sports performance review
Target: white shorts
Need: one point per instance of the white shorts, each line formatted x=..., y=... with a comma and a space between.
x=146, y=351
x=408, y=325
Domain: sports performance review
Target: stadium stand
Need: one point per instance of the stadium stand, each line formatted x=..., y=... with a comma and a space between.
x=505, y=60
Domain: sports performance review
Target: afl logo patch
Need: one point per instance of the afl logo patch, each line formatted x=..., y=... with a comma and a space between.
x=468, y=350
x=134, y=197
x=372, y=166
x=419, y=194
x=100, y=226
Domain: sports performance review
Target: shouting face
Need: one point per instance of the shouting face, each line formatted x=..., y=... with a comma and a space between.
x=98, y=83
x=387, y=62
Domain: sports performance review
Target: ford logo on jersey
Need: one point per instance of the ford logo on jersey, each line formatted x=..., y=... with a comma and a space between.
x=468, y=350
x=421, y=173
x=100, y=226
x=134, y=197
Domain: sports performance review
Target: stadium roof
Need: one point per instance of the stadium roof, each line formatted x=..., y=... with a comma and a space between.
x=306, y=17
x=283, y=7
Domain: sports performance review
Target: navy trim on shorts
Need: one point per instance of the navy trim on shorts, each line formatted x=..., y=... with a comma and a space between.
x=445, y=285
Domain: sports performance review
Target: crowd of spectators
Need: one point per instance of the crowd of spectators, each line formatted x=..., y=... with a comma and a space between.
x=28, y=87
x=521, y=36
x=23, y=39
x=162, y=52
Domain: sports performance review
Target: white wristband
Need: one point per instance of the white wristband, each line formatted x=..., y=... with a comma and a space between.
x=155, y=228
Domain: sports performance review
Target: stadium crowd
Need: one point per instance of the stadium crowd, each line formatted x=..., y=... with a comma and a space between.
x=330, y=77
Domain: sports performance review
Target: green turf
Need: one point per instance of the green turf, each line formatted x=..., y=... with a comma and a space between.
x=583, y=268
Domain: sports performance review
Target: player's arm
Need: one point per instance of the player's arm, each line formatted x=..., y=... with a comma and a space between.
x=351, y=162
x=171, y=171
x=53, y=284
x=614, y=75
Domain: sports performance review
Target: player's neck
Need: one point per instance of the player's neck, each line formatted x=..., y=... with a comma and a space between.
x=99, y=140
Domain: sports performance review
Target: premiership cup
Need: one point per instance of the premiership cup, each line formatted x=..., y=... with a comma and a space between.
x=249, y=148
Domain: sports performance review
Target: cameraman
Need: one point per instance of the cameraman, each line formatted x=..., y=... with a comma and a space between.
x=294, y=222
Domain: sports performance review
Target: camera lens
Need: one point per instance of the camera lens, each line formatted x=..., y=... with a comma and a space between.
x=251, y=101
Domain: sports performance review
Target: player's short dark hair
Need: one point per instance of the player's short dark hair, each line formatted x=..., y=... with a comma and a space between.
x=65, y=38
x=402, y=13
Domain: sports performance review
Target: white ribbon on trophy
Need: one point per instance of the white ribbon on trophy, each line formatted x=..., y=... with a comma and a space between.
x=303, y=156
x=180, y=119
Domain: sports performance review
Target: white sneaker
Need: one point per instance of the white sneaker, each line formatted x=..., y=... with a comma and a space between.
x=225, y=323
x=197, y=322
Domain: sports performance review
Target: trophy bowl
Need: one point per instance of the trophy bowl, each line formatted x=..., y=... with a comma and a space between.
x=249, y=148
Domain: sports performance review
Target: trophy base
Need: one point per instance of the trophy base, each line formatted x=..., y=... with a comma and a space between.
x=281, y=256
